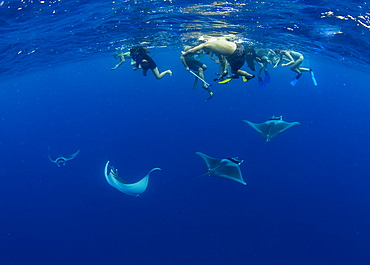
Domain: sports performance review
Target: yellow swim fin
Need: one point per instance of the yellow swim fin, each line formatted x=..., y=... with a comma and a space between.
x=244, y=79
x=225, y=81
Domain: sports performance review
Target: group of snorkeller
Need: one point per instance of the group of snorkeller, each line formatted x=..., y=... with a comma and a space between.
x=230, y=56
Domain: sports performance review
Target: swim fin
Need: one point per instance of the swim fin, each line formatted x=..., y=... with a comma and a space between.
x=225, y=81
x=294, y=82
x=210, y=94
x=245, y=79
x=267, y=78
x=261, y=83
x=313, y=78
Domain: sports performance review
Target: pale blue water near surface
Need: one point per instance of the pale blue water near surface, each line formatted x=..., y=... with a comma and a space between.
x=307, y=196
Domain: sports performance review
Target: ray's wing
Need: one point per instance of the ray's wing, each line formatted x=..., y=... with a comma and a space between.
x=280, y=126
x=54, y=160
x=262, y=128
x=223, y=168
x=133, y=189
x=211, y=163
x=71, y=156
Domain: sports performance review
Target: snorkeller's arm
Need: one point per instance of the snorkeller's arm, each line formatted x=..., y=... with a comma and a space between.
x=278, y=61
x=122, y=57
x=291, y=60
x=211, y=54
x=195, y=49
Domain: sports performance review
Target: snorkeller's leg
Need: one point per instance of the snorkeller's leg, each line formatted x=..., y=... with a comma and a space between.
x=261, y=67
x=245, y=75
x=261, y=83
x=195, y=83
x=223, y=66
x=201, y=75
x=145, y=72
x=160, y=75
x=221, y=76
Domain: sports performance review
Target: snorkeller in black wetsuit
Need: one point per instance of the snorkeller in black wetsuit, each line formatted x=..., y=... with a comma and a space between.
x=140, y=55
x=250, y=57
x=142, y=59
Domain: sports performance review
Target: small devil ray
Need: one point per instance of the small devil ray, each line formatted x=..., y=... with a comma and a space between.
x=61, y=160
x=133, y=189
x=224, y=168
x=271, y=128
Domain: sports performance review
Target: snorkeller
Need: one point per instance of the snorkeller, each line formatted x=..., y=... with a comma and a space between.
x=140, y=55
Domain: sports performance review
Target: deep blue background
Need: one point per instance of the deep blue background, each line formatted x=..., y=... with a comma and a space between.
x=307, y=196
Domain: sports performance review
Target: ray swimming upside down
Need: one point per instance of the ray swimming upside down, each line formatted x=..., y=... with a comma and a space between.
x=61, y=160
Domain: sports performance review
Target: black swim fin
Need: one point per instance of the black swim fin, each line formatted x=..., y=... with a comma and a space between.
x=267, y=78
x=210, y=93
x=261, y=83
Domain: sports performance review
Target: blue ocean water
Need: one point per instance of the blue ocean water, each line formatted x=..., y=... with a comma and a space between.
x=306, y=200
